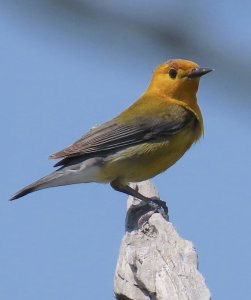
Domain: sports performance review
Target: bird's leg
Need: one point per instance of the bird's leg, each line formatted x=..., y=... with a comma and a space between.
x=126, y=189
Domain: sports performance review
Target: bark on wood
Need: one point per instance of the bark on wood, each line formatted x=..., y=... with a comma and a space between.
x=154, y=261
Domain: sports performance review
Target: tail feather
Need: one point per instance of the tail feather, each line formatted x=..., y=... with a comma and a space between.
x=23, y=192
x=78, y=172
x=43, y=183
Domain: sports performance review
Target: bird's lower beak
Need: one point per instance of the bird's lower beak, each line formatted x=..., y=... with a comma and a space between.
x=198, y=72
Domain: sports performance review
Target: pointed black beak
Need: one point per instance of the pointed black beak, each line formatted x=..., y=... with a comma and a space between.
x=198, y=72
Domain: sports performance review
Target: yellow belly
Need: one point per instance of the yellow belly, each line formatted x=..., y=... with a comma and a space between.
x=146, y=160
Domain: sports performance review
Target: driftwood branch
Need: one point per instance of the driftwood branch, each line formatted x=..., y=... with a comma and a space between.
x=154, y=262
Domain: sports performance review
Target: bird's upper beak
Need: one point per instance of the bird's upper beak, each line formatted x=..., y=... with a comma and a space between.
x=198, y=72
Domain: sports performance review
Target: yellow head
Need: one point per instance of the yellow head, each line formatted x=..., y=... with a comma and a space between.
x=177, y=79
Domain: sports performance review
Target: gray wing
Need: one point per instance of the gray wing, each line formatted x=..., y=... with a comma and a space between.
x=112, y=136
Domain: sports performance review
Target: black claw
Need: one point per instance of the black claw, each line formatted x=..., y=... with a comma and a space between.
x=161, y=205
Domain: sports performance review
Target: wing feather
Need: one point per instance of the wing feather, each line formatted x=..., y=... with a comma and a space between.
x=113, y=135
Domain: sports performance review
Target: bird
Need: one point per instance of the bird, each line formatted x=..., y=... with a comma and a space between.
x=141, y=142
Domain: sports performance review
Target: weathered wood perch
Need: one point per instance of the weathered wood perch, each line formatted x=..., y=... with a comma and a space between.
x=155, y=263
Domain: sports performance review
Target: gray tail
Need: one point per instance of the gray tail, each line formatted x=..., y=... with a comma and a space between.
x=50, y=180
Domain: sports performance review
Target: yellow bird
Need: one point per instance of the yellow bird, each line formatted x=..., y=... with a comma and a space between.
x=142, y=141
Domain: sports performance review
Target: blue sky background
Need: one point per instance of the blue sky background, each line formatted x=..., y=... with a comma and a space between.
x=68, y=65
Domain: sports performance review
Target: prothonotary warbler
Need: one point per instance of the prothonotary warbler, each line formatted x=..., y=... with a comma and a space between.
x=142, y=141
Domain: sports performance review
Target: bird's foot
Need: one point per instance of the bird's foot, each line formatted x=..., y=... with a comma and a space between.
x=154, y=203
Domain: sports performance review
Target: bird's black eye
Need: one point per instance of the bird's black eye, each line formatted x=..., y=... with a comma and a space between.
x=172, y=73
